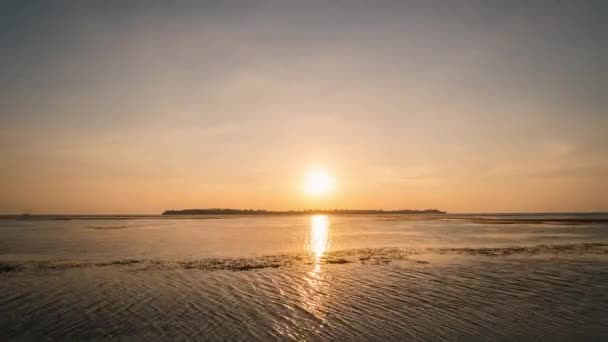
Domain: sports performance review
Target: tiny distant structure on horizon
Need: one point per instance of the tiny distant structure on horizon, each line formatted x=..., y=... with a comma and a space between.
x=222, y=211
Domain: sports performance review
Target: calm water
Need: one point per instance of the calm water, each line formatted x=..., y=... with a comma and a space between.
x=306, y=278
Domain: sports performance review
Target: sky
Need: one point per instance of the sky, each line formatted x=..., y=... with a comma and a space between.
x=141, y=106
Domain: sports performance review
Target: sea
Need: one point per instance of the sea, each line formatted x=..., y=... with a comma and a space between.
x=466, y=277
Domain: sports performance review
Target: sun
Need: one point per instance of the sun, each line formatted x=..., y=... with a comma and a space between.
x=318, y=182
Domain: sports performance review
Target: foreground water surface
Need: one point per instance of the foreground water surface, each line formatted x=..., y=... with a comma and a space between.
x=359, y=277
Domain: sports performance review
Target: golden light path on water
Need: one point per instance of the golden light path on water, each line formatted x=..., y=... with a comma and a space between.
x=319, y=232
x=314, y=289
x=315, y=293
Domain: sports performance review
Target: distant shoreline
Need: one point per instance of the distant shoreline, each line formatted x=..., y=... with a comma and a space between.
x=222, y=211
x=210, y=214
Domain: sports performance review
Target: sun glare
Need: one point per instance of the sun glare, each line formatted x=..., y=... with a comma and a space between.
x=318, y=183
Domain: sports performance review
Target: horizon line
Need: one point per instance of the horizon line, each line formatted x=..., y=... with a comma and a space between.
x=311, y=210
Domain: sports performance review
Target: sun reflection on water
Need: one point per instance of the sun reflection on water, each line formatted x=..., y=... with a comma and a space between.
x=319, y=233
x=314, y=290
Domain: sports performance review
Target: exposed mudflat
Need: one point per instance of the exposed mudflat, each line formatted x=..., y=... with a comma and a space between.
x=369, y=256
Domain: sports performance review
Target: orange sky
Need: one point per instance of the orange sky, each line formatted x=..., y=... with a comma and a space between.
x=477, y=107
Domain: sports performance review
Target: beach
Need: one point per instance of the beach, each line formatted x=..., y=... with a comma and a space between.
x=340, y=277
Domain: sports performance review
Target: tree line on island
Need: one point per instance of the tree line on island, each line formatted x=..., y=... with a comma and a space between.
x=221, y=211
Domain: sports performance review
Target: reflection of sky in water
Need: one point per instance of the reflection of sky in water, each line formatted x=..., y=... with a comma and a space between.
x=310, y=300
x=315, y=236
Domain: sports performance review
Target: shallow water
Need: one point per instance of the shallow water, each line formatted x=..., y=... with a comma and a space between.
x=305, y=278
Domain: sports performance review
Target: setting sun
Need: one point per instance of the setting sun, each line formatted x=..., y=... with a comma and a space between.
x=318, y=182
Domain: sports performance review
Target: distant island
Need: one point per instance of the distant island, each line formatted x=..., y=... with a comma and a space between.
x=220, y=211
